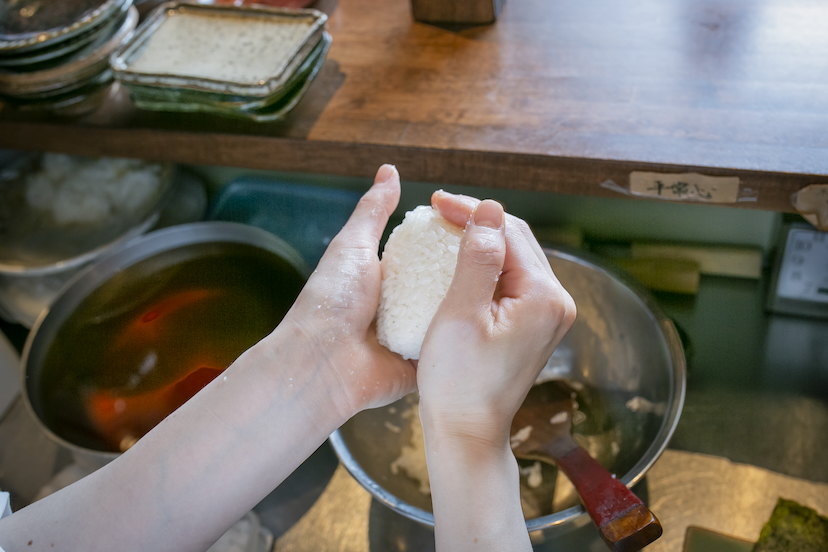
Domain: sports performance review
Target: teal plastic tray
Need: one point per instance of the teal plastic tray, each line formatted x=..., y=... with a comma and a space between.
x=307, y=217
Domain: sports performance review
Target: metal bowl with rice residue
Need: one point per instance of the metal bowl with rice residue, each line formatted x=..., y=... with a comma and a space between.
x=625, y=359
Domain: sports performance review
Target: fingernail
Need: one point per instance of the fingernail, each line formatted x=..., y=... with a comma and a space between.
x=385, y=173
x=489, y=213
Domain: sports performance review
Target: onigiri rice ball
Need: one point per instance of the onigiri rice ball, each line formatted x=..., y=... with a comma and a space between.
x=418, y=265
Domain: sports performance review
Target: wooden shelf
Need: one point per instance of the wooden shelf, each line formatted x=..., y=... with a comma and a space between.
x=556, y=96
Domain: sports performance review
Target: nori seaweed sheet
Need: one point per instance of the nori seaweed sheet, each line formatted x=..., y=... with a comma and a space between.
x=793, y=528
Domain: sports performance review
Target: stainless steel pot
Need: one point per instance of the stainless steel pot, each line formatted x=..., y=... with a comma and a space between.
x=621, y=345
x=186, y=240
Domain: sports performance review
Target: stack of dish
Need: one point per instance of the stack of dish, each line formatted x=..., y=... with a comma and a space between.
x=55, y=55
x=253, y=62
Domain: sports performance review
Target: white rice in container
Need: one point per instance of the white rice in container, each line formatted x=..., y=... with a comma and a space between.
x=417, y=268
x=77, y=190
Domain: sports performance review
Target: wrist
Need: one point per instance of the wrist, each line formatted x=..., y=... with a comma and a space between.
x=479, y=430
x=299, y=368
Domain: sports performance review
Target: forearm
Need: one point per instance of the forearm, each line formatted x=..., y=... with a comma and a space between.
x=202, y=468
x=475, y=491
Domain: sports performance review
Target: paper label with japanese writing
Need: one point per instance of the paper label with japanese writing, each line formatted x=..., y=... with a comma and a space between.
x=812, y=203
x=685, y=187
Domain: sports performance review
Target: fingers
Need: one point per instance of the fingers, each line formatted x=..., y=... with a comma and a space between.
x=367, y=222
x=518, y=271
x=480, y=259
x=457, y=208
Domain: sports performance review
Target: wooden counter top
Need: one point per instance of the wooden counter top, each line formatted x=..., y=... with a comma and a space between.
x=558, y=95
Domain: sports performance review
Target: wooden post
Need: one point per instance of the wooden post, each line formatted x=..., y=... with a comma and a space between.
x=456, y=11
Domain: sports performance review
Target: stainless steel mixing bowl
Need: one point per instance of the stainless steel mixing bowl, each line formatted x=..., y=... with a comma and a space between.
x=621, y=346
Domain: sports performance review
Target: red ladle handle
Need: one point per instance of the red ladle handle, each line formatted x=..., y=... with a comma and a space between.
x=625, y=523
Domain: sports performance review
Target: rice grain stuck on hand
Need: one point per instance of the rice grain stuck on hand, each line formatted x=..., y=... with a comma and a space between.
x=417, y=268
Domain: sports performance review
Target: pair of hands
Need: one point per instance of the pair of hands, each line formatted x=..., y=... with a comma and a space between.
x=502, y=317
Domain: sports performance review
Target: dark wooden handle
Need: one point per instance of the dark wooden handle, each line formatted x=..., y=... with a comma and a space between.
x=625, y=523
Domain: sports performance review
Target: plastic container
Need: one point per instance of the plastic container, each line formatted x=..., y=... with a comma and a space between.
x=307, y=217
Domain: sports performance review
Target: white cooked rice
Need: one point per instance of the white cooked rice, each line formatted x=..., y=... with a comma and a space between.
x=77, y=190
x=417, y=268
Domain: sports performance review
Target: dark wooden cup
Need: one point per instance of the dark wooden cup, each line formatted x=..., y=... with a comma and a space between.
x=479, y=12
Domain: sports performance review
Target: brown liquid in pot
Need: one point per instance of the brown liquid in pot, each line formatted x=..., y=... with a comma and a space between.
x=148, y=339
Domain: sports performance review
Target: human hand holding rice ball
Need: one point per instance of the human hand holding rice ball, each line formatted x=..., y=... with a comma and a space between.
x=332, y=319
x=483, y=311
x=480, y=304
x=501, y=319
x=477, y=283
x=419, y=260
x=337, y=307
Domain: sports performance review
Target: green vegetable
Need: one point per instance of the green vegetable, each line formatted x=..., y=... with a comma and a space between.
x=793, y=528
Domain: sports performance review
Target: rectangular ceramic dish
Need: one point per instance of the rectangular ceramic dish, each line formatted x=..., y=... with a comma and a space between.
x=187, y=97
x=271, y=111
x=234, y=50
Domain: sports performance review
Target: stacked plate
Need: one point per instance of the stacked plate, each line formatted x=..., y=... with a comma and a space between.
x=55, y=55
x=252, y=61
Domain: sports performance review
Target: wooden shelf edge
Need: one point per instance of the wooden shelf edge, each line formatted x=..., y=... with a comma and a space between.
x=527, y=172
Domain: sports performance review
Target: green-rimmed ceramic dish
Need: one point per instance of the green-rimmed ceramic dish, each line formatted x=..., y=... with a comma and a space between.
x=243, y=51
x=232, y=102
x=273, y=110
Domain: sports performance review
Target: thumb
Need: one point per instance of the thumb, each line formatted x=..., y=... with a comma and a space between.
x=480, y=259
x=367, y=222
